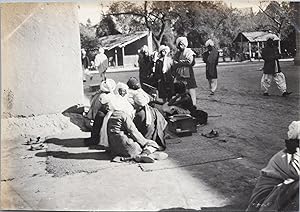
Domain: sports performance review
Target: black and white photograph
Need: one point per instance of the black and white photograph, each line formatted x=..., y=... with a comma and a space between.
x=150, y=105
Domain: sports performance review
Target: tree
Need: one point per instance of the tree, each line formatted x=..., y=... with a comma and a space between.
x=88, y=38
x=152, y=15
x=276, y=18
x=106, y=27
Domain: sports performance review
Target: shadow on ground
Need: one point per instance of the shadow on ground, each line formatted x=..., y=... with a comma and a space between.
x=75, y=113
x=76, y=156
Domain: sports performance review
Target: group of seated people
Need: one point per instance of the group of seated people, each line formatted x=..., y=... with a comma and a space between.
x=125, y=123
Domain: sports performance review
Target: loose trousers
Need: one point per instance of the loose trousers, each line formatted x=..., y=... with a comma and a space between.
x=279, y=79
x=213, y=84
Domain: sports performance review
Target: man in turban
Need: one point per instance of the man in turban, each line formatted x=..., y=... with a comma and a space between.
x=146, y=64
x=98, y=110
x=149, y=121
x=184, y=60
x=277, y=188
x=211, y=58
x=101, y=63
x=163, y=74
x=271, y=69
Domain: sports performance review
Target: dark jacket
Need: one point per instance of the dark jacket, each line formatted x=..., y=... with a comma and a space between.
x=211, y=59
x=270, y=55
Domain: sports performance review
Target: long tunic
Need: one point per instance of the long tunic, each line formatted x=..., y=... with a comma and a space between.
x=211, y=59
x=184, y=67
x=154, y=131
x=164, y=78
x=124, y=138
x=270, y=55
x=146, y=65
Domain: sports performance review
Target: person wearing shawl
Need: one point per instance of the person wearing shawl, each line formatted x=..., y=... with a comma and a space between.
x=98, y=110
x=211, y=57
x=146, y=65
x=163, y=74
x=149, y=121
x=122, y=137
x=277, y=188
x=134, y=88
x=271, y=69
x=101, y=63
x=184, y=60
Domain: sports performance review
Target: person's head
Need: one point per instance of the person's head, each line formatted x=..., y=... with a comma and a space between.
x=144, y=50
x=209, y=44
x=163, y=50
x=83, y=52
x=270, y=40
x=179, y=87
x=292, y=143
x=140, y=101
x=133, y=83
x=101, y=50
x=121, y=89
x=108, y=86
x=181, y=43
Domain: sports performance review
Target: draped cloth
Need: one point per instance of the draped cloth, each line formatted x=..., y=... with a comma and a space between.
x=211, y=59
x=278, y=184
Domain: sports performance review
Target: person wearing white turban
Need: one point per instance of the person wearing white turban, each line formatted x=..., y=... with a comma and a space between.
x=211, y=58
x=277, y=188
x=101, y=62
x=146, y=64
x=123, y=138
x=99, y=109
x=163, y=74
x=149, y=121
x=184, y=60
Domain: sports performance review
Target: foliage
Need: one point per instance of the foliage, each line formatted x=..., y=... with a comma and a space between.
x=88, y=37
x=106, y=27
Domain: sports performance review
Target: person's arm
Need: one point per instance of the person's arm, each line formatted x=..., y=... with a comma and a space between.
x=97, y=61
x=189, y=61
x=183, y=99
x=217, y=58
x=134, y=132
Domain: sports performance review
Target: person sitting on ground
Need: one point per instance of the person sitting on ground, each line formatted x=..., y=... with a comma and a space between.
x=277, y=188
x=98, y=110
x=182, y=103
x=149, y=121
x=135, y=88
x=121, y=136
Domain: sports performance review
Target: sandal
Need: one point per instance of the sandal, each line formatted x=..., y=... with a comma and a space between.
x=212, y=134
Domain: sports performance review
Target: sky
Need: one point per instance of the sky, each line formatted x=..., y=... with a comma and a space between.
x=92, y=9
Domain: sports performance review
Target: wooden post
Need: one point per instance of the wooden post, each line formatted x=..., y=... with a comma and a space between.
x=123, y=54
x=116, y=57
x=250, y=51
x=258, y=50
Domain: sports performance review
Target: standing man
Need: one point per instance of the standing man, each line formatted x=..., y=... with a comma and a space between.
x=184, y=60
x=211, y=57
x=101, y=63
x=270, y=55
x=85, y=62
x=146, y=65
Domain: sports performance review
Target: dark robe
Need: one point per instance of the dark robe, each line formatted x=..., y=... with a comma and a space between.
x=155, y=131
x=270, y=55
x=211, y=59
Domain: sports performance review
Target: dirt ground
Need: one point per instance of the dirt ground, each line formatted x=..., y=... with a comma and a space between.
x=68, y=176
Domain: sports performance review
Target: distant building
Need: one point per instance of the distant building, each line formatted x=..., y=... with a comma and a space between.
x=251, y=43
x=122, y=49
